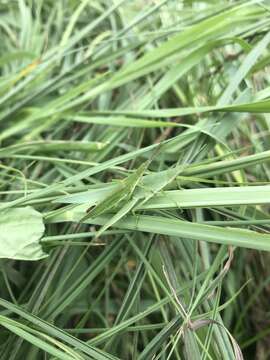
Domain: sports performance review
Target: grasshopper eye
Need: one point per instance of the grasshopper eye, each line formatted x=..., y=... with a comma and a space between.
x=90, y=208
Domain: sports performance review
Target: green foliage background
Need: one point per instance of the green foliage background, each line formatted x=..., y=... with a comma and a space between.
x=89, y=89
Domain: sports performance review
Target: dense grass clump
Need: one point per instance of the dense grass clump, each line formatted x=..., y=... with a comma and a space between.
x=134, y=182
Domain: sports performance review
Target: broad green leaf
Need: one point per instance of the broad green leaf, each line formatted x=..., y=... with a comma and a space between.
x=20, y=232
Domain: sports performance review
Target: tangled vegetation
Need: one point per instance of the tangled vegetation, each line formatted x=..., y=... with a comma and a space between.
x=134, y=182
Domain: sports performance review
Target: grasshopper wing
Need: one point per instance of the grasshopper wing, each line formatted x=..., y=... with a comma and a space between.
x=119, y=215
x=106, y=204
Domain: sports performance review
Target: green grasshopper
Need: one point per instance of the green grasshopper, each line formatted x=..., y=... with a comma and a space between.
x=124, y=191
